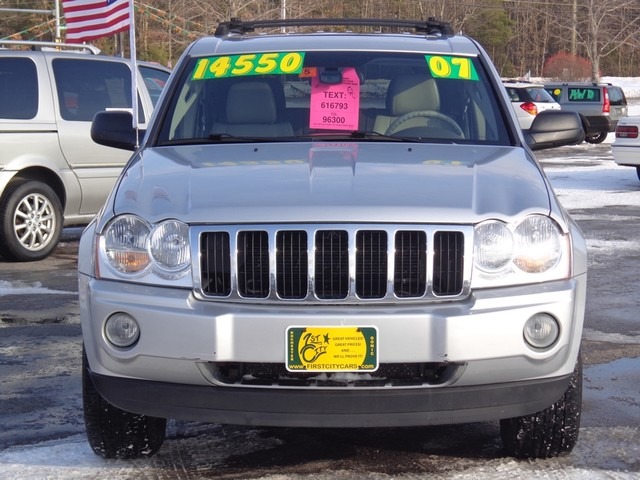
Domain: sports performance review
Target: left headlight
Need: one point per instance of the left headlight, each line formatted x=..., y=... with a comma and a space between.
x=133, y=249
x=533, y=250
x=537, y=246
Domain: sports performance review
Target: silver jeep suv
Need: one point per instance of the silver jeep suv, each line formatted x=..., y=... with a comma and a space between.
x=333, y=229
x=51, y=173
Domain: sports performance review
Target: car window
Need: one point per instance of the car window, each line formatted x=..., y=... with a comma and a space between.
x=583, y=94
x=515, y=94
x=86, y=87
x=18, y=88
x=555, y=92
x=539, y=95
x=155, y=81
x=616, y=96
x=300, y=94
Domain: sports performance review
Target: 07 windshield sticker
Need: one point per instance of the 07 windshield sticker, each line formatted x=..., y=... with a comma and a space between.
x=248, y=64
x=457, y=68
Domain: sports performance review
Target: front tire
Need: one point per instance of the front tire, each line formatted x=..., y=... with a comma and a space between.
x=114, y=433
x=597, y=138
x=551, y=432
x=30, y=221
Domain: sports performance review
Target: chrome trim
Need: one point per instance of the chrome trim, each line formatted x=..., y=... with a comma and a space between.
x=390, y=297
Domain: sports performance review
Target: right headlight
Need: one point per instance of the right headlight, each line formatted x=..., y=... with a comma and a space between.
x=125, y=245
x=132, y=249
x=533, y=250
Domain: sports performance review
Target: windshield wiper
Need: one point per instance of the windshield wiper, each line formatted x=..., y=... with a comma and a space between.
x=359, y=135
x=228, y=138
x=371, y=135
x=224, y=138
x=356, y=135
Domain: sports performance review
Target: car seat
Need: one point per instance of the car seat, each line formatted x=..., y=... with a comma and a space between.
x=414, y=99
x=251, y=111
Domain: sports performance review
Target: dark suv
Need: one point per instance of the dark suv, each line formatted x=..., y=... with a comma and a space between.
x=600, y=104
x=333, y=229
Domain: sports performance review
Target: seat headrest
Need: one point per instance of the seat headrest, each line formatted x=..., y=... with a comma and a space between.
x=251, y=102
x=410, y=93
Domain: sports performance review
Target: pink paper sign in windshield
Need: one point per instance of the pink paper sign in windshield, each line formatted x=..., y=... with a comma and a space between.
x=335, y=106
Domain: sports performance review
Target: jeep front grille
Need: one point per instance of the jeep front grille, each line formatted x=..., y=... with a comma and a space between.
x=333, y=263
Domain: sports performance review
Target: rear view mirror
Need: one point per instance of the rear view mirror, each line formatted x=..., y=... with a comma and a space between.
x=114, y=129
x=331, y=76
x=554, y=128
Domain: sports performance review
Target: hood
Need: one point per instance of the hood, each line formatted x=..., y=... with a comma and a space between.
x=331, y=182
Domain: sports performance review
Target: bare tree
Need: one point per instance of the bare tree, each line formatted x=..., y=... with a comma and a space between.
x=606, y=32
x=600, y=28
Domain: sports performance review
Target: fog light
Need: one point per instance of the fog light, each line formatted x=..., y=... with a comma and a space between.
x=541, y=330
x=122, y=330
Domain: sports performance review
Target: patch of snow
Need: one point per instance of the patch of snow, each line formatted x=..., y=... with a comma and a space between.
x=21, y=288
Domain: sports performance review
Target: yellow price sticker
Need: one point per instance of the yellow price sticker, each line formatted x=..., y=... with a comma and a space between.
x=248, y=64
x=447, y=66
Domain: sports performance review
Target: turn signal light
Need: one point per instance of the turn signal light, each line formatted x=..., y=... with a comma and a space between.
x=529, y=107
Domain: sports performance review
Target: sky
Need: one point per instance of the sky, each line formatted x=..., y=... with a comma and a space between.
x=601, y=453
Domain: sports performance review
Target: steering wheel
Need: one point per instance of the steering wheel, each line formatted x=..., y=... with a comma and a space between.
x=429, y=115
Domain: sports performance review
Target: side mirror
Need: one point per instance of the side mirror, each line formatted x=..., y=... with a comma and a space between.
x=554, y=128
x=114, y=129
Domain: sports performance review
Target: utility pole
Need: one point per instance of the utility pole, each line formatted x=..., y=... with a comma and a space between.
x=283, y=13
x=574, y=29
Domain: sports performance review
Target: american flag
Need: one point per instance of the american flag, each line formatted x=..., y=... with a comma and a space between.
x=90, y=19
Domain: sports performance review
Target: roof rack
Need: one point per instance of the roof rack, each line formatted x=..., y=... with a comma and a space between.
x=430, y=26
x=38, y=45
x=516, y=80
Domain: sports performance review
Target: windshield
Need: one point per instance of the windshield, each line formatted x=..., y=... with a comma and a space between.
x=288, y=96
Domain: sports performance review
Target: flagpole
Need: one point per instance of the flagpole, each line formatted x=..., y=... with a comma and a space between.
x=134, y=69
x=58, y=35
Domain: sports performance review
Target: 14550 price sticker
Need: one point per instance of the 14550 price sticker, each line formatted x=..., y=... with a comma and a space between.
x=248, y=64
x=446, y=66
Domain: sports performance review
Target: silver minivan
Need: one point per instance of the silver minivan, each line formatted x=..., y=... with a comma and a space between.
x=51, y=173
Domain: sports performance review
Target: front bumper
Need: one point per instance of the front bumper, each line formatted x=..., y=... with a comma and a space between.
x=597, y=124
x=164, y=373
x=331, y=408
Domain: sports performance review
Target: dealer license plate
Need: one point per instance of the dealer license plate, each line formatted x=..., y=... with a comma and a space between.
x=332, y=349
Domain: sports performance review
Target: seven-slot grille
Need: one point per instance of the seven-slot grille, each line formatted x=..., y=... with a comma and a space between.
x=332, y=263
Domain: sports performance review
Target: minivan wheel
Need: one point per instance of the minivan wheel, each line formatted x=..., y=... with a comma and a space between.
x=551, y=432
x=597, y=138
x=638, y=172
x=114, y=433
x=30, y=221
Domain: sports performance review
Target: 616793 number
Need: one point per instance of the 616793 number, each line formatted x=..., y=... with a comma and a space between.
x=334, y=105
